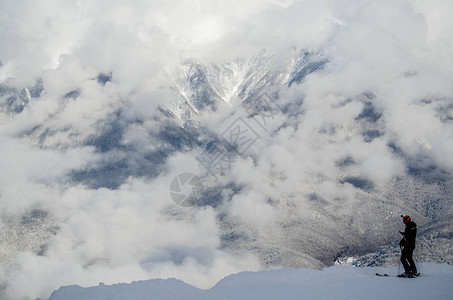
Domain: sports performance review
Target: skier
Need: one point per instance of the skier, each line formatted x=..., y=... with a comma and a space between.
x=407, y=245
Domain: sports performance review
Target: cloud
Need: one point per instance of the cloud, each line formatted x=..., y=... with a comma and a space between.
x=253, y=210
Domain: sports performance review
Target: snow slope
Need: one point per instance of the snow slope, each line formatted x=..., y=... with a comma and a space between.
x=338, y=282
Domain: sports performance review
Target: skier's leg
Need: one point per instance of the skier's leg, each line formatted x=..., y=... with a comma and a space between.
x=404, y=256
x=411, y=262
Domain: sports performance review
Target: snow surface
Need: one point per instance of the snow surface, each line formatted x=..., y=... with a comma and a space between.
x=337, y=282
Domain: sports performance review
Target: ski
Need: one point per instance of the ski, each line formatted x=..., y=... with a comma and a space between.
x=400, y=276
x=409, y=276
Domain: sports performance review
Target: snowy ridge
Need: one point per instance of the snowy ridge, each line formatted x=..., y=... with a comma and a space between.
x=339, y=282
x=203, y=87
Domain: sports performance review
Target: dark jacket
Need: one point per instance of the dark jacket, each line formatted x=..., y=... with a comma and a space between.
x=409, y=235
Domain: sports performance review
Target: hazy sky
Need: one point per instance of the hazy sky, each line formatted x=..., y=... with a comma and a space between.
x=399, y=51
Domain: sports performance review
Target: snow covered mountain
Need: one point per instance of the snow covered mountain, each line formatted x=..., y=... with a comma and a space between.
x=334, y=229
x=339, y=282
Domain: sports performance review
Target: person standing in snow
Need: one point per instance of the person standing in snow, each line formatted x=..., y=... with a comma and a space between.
x=407, y=245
